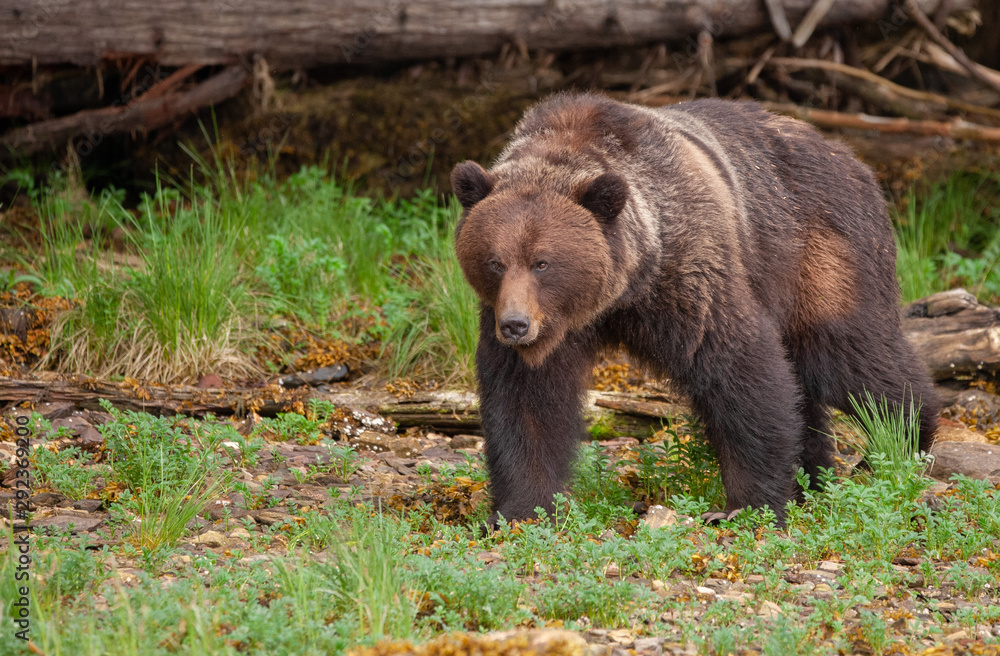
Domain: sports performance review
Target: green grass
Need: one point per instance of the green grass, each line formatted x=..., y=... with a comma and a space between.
x=208, y=267
x=947, y=236
x=358, y=574
x=204, y=268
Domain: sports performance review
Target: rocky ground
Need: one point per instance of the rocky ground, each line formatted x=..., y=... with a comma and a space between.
x=290, y=479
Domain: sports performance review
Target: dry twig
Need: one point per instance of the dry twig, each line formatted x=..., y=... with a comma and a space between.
x=953, y=50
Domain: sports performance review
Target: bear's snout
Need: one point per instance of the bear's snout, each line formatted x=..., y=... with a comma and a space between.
x=514, y=327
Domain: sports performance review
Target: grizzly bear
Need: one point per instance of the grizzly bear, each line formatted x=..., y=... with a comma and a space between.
x=737, y=252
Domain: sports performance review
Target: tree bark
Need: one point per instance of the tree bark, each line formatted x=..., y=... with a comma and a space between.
x=954, y=334
x=302, y=33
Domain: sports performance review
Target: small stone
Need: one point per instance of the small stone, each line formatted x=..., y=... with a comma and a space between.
x=817, y=574
x=212, y=539
x=968, y=458
x=704, y=593
x=755, y=578
x=271, y=517
x=829, y=566
x=255, y=559
x=612, y=571
x=90, y=436
x=88, y=505
x=621, y=636
x=72, y=523
x=957, y=635
x=946, y=607
x=599, y=636
x=466, y=442
x=769, y=610
x=717, y=584
x=657, y=585
x=653, y=646
x=659, y=517
x=43, y=499
x=240, y=532
x=742, y=598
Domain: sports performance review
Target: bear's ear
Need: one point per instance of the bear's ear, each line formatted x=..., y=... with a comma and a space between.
x=605, y=196
x=471, y=183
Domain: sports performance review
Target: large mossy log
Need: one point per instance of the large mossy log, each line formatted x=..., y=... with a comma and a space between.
x=303, y=33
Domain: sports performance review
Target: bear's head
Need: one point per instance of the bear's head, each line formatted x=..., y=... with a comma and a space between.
x=540, y=257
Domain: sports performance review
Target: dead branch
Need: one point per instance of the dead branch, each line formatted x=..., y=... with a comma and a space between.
x=890, y=90
x=956, y=129
x=778, y=19
x=810, y=22
x=933, y=32
x=149, y=112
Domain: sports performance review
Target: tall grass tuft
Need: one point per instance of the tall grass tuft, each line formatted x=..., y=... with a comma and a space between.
x=892, y=432
x=369, y=579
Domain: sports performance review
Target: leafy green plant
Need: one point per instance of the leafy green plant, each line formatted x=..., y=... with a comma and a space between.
x=170, y=476
x=290, y=426
x=460, y=596
x=680, y=464
x=576, y=595
x=301, y=278
x=343, y=460
x=941, y=230
x=64, y=471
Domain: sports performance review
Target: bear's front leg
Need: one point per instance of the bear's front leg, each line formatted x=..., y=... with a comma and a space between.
x=747, y=396
x=532, y=420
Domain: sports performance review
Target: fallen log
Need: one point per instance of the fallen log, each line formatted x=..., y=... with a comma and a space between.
x=302, y=33
x=954, y=334
x=444, y=412
x=156, y=108
x=156, y=399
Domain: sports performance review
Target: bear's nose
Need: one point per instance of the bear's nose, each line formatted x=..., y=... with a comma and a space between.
x=514, y=327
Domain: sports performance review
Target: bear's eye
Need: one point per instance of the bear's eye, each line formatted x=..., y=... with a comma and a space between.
x=541, y=266
x=496, y=266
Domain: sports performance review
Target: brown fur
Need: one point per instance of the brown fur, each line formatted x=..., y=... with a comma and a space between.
x=734, y=251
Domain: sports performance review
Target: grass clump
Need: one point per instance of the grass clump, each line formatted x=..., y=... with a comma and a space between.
x=892, y=432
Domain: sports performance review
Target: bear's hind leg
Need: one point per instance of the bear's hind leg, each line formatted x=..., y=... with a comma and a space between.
x=882, y=365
